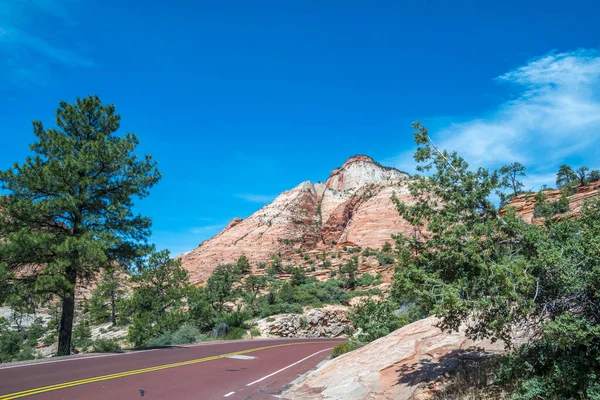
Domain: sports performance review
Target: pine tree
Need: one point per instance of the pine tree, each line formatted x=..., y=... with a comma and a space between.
x=565, y=175
x=472, y=263
x=106, y=296
x=511, y=180
x=68, y=212
x=157, y=302
x=582, y=175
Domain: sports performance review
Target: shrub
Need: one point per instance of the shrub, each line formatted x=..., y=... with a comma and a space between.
x=366, y=280
x=166, y=339
x=188, y=333
x=236, y=319
x=82, y=335
x=298, y=277
x=105, y=346
x=235, y=334
x=385, y=259
x=254, y=331
x=375, y=319
x=368, y=252
x=344, y=348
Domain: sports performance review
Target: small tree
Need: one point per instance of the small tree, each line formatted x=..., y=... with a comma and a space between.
x=386, y=248
x=252, y=287
x=348, y=272
x=375, y=319
x=582, y=175
x=594, y=176
x=511, y=174
x=565, y=175
x=68, y=212
x=106, y=296
x=243, y=265
x=220, y=285
x=200, y=310
x=298, y=276
x=156, y=305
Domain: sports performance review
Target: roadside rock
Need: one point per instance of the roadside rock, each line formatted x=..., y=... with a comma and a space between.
x=394, y=366
x=329, y=321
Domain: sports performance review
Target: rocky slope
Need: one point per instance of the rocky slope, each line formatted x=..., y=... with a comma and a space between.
x=353, y=207
x=396, y=366
x=328, y=321
x=525, y=204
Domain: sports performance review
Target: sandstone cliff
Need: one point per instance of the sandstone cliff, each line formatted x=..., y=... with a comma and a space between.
x=525, y=204
x=353, y=207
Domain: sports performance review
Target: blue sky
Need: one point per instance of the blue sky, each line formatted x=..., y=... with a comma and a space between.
x=239, y=101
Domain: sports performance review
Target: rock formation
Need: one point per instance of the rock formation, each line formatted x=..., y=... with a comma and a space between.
x=393, y=367
x=525, y=204
x=353, y=207
x=328, y=321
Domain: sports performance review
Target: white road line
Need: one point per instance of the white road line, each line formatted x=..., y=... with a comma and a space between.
x=242, y=357
x=229, y=394
x=289, y=366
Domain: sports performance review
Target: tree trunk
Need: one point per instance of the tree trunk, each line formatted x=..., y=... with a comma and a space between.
x=113, y=305
x=66, y=319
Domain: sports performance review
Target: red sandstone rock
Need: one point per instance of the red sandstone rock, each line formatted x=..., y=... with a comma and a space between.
x=525, y=204
x=353, y=206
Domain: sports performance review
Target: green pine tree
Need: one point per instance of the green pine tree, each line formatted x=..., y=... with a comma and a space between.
x=156, y=304
x=68, y=212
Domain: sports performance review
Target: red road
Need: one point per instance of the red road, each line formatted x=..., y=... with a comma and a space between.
x=245, y=376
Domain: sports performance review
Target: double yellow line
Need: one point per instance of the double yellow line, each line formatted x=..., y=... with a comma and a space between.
x=50, y=388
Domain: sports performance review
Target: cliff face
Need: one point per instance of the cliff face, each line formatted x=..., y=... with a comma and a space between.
x=353, y=207
x=525, y=204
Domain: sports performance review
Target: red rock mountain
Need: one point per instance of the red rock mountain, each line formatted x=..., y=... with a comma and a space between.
x=525, y=203
x=353, y=207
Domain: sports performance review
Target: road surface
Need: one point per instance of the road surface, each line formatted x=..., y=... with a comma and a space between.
x=253, y=369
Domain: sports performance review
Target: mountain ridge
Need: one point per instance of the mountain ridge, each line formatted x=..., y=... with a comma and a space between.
x=352, y=206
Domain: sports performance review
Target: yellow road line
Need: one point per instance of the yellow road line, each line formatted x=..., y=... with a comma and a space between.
x=80, y=382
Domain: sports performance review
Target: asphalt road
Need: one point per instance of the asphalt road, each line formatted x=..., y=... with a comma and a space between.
x=254, y=369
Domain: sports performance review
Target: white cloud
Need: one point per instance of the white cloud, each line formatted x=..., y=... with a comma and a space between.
x=257, y=198
x=555, y=115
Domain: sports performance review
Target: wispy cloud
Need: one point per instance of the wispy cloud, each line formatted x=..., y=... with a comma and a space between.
x=257, y=198
x=555, y=114
x=26, y=53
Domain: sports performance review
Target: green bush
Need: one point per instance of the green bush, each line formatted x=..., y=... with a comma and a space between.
x=188, y=333
x=385, y=259
x=550, y=367
x=344, y=348
x=105, y=346
x=166, y=339
x=254, y=332
x=368, y=252
x=366, y=280
x=82, y=336
x=236, y=319
x=375, y=319
x=234, y=334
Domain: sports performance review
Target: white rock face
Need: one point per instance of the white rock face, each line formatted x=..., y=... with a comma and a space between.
x=310, y=216
x=360, y=171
